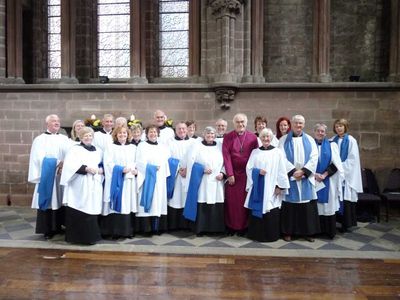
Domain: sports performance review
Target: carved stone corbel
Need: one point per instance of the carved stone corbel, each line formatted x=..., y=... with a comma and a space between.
x=224, y=96
x=230, y=8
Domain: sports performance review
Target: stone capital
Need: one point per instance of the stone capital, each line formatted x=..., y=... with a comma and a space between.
x=230, y=8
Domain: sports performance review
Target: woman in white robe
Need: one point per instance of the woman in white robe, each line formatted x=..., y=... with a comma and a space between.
x=82, y=179
x=350, y=157
x=267, y=164
x=150, y=153
x=119, y=222
x=210, y=201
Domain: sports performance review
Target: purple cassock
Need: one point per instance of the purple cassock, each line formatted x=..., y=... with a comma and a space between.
x=236, y=150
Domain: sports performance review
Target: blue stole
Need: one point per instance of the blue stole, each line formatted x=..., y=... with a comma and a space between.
x=117, y=184
x=344, y=146
x=173, y=167
x=148, y=187
x=323, y=163
x=45, y=188
x=257, y=193
x=190, y=209
x=306, y=186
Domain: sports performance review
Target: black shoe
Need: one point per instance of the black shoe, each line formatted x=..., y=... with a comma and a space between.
x=241, y=232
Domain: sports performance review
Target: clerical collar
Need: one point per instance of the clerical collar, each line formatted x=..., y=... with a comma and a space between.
x=318, y=142
x=118, y=143
x=179, y=139
x=152, y=143
x=162, y=127
x=49, y=133
x=194, y=137
x=77, y=139
x=135, y=143
x=105, y=132
x=88, y=147
x=270, y=147
x=220, y=135
x=297, y=135
x=206, y=144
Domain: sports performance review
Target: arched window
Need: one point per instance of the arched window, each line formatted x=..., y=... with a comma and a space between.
x=113, y=38
x=54, y=38
x=174, y=38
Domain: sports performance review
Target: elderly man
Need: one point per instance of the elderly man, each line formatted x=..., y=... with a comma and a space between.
x=102, y=139
x=166, y=133
x=236, y=149
x=329, y=177
x=299, y=209
x=45, y=164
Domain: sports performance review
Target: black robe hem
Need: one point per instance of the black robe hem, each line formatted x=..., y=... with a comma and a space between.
x=81, y=228
x=265, y=229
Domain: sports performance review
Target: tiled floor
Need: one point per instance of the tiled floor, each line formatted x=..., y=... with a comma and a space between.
x=368, y=240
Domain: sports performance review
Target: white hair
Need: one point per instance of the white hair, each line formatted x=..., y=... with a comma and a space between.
x=298, y=118
x=266, y=132
x=49, y=117
x=240, y=115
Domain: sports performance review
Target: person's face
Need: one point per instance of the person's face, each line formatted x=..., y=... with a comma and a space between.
x=320, y=133
x=122, y=136
x=265, y=140
x=159, y=118
x=53, y=125
x=260, y=126
x=240, y=124
x=298, y=126
x=209, y=137
x=136, y=134
x=283, y=127
x=79, y=126
x=181, y=130
x=108, y=123
x=87, y=139
x=152, y=135
x=340, y=129
x=191, y=129
x=221, y=127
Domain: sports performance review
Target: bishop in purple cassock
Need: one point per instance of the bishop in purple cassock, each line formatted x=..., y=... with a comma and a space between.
x=236, y=149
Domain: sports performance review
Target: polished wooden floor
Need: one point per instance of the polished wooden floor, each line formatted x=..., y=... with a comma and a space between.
x=61, y=274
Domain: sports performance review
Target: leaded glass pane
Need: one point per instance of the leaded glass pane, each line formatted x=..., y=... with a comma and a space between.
x=54, y=11
x=54, y=59
x=112, y=1
x=115, y=72
x=174, y=72
x=173, y=57
x=113, y=23
x=175, y=39
x=174, y=6
x=170, y=22
x=54, y=24
x=114, y=9
x=115, y=40
x=54, y=73
x=54, y=2
x=55, y=41
x=111, y=58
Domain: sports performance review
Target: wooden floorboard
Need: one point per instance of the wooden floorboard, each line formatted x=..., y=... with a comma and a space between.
x=65, y=274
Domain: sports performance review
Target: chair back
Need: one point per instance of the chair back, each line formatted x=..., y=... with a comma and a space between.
x=393, y=182
x=370, y=185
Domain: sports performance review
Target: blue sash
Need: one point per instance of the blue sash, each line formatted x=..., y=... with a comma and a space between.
x=117, y=184
x=148, y=187
x=190, y=209
x=257, y=193
x=324, y=161
x=306, y=186
x=45, y=188
x=344, y=146
x=173, y=167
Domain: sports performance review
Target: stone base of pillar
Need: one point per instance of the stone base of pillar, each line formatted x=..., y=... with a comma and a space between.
x=394, y=78
x=12, y=80
x=226, y=78
x=323, y=78
x=138, y=80
x=253, y=79
x=69, y=80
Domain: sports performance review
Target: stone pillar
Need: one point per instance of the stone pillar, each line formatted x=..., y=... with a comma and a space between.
x=321, y=41
x=138, y=48
x=2, y=39
x=257, y=40
x=14, y=72
x=68, y=41
x=394, y=52
x=225, y=12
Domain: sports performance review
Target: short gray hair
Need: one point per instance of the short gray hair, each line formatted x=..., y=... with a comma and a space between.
x=84, y=131
x=298, y=118
x=209, y=129
x=240, y=115
x=265, y=132
x=319, y=125
x=53, y=116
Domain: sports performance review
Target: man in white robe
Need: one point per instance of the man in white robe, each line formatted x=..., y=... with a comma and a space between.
x=102, y=138
x=49, y=145
x=166, y=134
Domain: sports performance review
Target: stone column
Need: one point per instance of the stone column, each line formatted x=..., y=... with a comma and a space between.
x=137, y=48
x=257, y=40
x=68, y=41
x=3, y=59
x=14, y=72
x=321, y=41
x=394, y=52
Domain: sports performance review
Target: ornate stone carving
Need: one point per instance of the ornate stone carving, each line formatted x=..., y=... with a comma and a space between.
x=225, y=95
x=226, y=7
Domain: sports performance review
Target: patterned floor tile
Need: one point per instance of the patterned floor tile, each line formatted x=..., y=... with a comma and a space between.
x=145, y=242
x=181, y=243
x=18, y=227
x=333, y=246
x=216, y=244
x=371, y=248
x=294, y=246
x=256, y=245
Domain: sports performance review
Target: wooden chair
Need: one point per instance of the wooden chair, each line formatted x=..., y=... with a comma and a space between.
x=391, y=192
x=370, y=195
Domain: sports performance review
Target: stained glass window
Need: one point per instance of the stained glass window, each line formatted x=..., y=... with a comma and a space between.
x=113, y=38
x=174, y=38
x=54, y=38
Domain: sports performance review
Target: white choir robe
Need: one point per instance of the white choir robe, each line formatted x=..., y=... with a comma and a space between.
x=52, y=146
x=352, y=171
x=102, y=140
x=179, y=150
x=211, y=190
x=156, y=155
x=335, y=184
x=273, y=161
x=82, y=192
x=125, y=156
x=299, y=161
x=166, y=136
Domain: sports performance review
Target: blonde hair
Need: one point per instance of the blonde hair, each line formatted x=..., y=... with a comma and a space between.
x=118, y=130
x=73, y=131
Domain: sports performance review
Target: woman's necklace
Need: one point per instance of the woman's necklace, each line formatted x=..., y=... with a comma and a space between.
x=242, y=143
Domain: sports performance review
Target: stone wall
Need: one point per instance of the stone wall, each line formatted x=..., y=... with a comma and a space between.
x=373, y=111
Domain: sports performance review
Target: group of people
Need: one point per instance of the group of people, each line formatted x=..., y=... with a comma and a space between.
x=122, y=180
